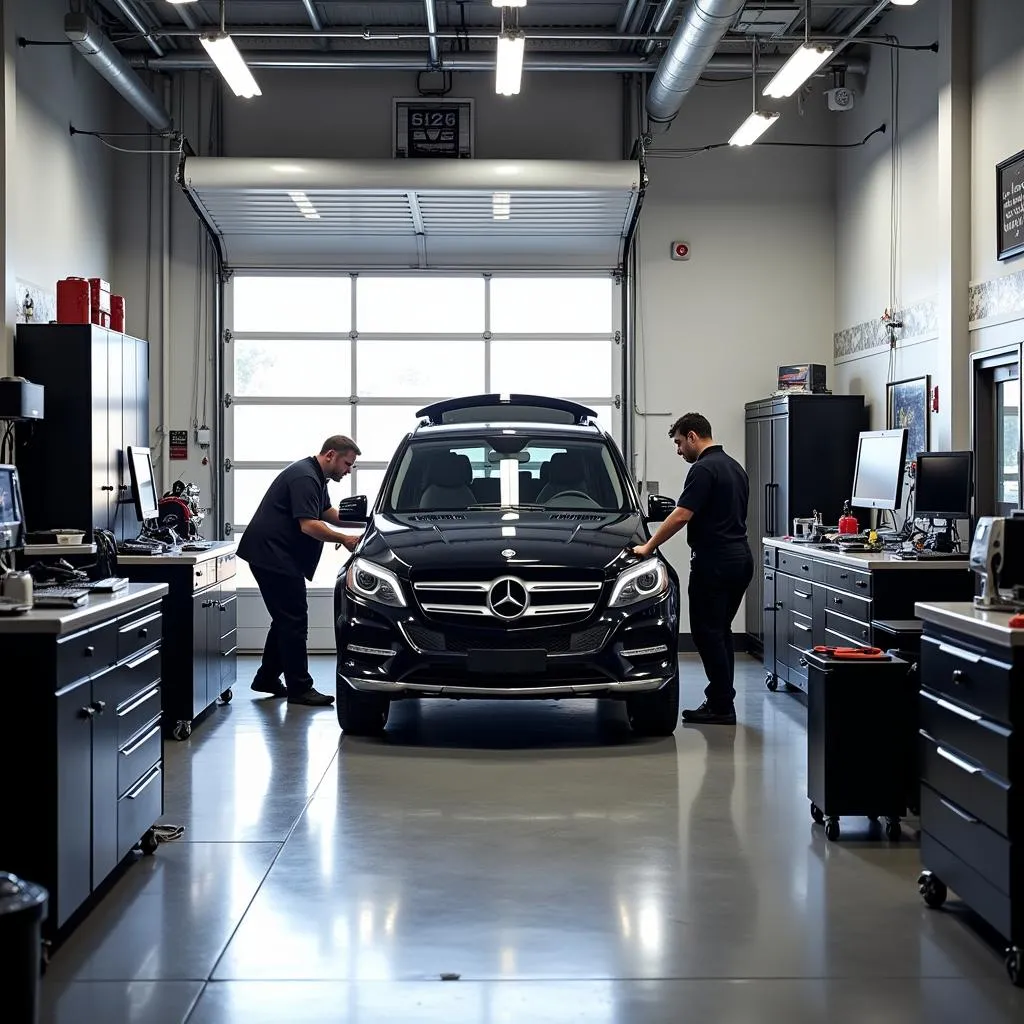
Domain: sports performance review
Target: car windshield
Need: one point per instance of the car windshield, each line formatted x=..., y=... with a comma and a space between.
x=507, y=470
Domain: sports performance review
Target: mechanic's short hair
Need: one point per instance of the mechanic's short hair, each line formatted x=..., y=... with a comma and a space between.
x=691, y=421
x=341, y=444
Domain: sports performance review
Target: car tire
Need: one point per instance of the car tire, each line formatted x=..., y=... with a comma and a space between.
x=361, y=714
x=655, y=714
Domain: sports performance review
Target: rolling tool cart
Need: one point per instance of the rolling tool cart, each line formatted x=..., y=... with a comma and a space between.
x=860, y=735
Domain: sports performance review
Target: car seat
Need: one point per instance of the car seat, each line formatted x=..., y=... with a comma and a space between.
x=449, y=487
x=565, y=473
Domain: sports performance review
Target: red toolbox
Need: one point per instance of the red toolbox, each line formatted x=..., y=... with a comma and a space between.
x=100, y=296
x=74, y=303
x=117, y=313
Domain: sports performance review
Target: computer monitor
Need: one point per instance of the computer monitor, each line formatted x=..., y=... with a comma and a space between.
x=943, y=485
x=140, y=467
x=878, y=477
x=12, y=510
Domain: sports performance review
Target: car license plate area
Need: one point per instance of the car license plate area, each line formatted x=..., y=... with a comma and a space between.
x=529, y=661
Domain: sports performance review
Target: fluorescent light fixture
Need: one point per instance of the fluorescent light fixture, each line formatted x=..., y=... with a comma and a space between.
x=522, y=3
x=903, y=3
x=753, y=128
x=508, y=75
x=223, y=52
x=180, y=3
x=305, y=205
x=501, y=206
x=802, y=63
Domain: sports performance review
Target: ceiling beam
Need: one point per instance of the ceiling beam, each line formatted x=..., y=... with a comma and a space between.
x=314, y=18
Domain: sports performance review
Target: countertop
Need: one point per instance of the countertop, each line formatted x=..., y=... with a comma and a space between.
x=220, y=547
x=869, y=561
x=35, y=550
x=965, y=618
x=97, y=608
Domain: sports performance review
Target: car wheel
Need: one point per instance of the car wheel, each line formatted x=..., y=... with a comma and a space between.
x=361, y=714
x=655, y=714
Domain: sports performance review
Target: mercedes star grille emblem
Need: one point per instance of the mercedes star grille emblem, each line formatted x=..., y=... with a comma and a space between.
x=508, y=598
x=508, y=553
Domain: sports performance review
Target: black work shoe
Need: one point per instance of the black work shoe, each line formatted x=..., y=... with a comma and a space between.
x=275, y=687
x=313, y=698
x=706, y=715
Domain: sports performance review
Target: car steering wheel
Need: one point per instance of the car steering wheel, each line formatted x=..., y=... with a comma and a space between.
x=571, y=494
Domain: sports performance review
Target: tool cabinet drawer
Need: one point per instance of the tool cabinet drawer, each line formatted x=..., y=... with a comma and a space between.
x=967, y=675
x=850, y=580
x=847, y=604
x=796, y=565
x=966, y=783
x=139, y=630
x=984, y=741
x=136, y=757
x=138, y=809
x=85, y=653
x=857, y=631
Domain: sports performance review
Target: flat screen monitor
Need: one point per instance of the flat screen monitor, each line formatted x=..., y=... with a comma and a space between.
x=881, y=462
x=12, y=510
x=140, y=466
x=943, y=485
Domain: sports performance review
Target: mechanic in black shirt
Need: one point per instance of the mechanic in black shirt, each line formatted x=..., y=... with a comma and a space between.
x=282, y=544
x=714, y=506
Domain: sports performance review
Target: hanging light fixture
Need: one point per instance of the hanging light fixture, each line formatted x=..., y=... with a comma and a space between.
x=508, y=72
x=759, y=121
x=224, y=54
x=803, y=62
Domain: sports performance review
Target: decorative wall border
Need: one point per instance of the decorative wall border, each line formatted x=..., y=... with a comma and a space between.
x=1002, y=298
x=920, y=319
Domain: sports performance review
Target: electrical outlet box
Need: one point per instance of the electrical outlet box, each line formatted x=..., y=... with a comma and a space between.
x=203, y=437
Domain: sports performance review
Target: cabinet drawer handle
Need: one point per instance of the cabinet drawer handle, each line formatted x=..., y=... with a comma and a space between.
x=965, y=766
x=969, y=715
x=805, y=568
x=142, y=661
x=136, y=702
x=837, y=600
x=89, y=651
x=140, y=622
x=970, y=819
x=956, y=652
x=99, y=706
x=800, y=593
x=801, y=627
x=957, y=676
x=769, y=576
x=227, y=654
x=144, y=783
x=129, y=750
x=844, y=575
x=860, y=583
x=87, y=712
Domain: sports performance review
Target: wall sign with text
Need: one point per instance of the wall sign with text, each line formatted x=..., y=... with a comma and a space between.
x=425, y=128
x=1010, y=206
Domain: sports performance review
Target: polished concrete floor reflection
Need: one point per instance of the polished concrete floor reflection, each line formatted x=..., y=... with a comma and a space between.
x=529, y=862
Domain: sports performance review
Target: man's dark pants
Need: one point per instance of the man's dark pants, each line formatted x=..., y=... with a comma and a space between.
x=717, y=584
x=285, y=647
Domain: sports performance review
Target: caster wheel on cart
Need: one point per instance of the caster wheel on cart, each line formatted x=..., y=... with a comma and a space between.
x=149, y=843
x=832, y=829
x=226, y=696
x=1015, y=965
x=819, y=818
x=893, y=830
x=771, y=682
x=182, y=730
x=932, y=890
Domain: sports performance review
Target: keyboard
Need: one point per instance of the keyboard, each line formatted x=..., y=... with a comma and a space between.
x=107, y=585
x=138, y=547
x=59, y=597
x=197, y=545
x=927, y=556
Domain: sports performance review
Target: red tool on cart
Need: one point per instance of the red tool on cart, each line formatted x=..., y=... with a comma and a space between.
x=852, y=653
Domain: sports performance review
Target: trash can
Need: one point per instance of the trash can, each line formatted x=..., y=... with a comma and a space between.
x=22, y=912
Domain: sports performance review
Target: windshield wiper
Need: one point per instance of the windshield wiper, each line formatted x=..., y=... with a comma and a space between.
x=498, y=505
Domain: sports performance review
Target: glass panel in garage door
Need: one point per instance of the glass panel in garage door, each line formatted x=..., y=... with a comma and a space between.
x=561, y=367
x=292, y=305
x=419, y=367
x=552, y=305
x=381, y=427
x=292, y=368
x=420, y=305
x=286, y=433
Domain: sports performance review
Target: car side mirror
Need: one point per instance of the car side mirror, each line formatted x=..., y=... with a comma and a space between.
x=659, y=508
x=352, y=511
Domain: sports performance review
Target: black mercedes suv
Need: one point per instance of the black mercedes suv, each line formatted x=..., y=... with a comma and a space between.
x=497, y=563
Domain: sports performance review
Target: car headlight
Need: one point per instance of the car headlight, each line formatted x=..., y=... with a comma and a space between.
x=639, y=582
x=375, y=583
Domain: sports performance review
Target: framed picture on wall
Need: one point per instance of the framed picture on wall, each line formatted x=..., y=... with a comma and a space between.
x=1010, y=206
x=907, y=406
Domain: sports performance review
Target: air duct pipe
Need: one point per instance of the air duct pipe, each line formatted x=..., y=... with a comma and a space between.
x=689, y=54
x=101, y=53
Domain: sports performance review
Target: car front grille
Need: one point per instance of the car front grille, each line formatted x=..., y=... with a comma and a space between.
x=533, y=598
x=431, y=641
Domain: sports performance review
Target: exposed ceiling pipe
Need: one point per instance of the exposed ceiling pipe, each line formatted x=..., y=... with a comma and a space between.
x=692, y=47
x=431, y=13
x=537, y=60
x=379, y=33
x=101, y=53
x=665, y=15
x=137, y=23
x=314, y=18
x=625, y=16
x=187, y=17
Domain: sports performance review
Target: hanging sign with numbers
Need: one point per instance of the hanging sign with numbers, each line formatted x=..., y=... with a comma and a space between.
x=433, y=128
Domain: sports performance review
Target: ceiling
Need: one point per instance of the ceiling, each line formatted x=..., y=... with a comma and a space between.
x=551, y=26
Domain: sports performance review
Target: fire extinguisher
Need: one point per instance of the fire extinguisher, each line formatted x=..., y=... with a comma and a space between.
x=848, y=521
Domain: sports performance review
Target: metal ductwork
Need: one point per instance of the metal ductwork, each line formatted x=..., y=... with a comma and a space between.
x=431, y=15
x=689, y=54
x=101, y=53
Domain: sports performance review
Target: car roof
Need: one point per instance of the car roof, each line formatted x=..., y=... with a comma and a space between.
x=590, y=431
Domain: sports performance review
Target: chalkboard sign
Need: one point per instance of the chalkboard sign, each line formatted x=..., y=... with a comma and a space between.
x=1010, y=206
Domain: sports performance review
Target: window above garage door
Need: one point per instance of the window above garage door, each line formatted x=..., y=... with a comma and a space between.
x=444, y=215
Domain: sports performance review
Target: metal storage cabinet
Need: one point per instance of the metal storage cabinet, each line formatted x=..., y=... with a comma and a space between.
x=72, y=463
x=800, y=456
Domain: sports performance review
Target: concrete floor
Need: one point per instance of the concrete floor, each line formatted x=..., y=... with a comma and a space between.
x=556, y=868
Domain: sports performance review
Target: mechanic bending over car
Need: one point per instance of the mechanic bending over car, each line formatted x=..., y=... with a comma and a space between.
x=282, y=544
x=714, y=506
